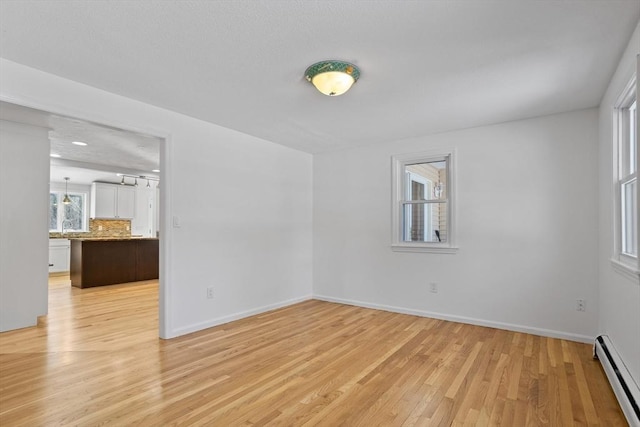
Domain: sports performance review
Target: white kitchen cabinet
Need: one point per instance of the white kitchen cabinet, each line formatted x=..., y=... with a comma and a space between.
x=59, y=254
x=112, y=201
x=126, y=202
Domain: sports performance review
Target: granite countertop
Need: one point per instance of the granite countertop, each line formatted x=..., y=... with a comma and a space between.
x=87, y=236
x=110, y=239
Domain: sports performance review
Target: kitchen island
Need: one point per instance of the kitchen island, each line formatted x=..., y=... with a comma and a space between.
x=108, y=261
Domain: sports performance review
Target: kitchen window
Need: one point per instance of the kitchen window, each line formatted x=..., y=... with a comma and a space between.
x=67, y=217
x=626, y=185
x=423, y=193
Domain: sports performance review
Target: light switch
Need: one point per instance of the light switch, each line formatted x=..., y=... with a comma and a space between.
x=176, y=221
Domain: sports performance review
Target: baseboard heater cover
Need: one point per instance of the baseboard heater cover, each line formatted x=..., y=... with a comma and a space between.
x=626, y=390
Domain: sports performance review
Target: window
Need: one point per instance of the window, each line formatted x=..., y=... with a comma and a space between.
x=626, y=209
x=422, y=199
x=67, y=217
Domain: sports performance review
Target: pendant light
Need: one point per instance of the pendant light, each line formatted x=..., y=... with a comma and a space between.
x=122, y=182
x=148, y=185
x=66, y=200
x=332, y=78
x=135, y=184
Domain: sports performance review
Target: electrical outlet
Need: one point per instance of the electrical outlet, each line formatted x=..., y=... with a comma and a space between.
x=210, y=292
x=581, y=305
x=99, y=228
x=433, y=287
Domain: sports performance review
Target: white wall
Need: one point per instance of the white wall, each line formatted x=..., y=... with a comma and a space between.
x=76, y=188
x=527, y=228
x=243, y=204
x=24, y=237
x=619, y=294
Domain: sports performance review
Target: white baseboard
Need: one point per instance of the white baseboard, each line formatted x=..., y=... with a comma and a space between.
x=462, y=319
x=236, y=316
x=625, y=388
x=422, y=313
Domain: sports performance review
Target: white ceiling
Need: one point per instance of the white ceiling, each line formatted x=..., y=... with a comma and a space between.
x=108, y=146
x=86, y=175
x=427, y=66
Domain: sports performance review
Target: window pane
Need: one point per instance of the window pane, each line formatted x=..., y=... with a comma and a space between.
x=74, y=213
x=424, y=222
x=633, y=139
x=426, y=181
x=629, y=218
x=439, y=221
x=53, y=211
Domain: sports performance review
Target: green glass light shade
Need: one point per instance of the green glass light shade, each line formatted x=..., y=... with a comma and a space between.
x=332, y=78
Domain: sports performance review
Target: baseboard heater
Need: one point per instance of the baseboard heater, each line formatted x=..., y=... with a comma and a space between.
x=626, y=390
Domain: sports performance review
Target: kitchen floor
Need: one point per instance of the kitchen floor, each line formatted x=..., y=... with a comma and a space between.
x=127, y=308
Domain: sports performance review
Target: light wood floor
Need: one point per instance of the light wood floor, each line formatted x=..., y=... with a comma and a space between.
x=96, y=360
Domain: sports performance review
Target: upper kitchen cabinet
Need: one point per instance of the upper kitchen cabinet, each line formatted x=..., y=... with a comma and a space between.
x=112, y=201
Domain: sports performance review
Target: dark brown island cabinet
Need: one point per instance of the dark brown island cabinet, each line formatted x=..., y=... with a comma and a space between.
x=100, y=262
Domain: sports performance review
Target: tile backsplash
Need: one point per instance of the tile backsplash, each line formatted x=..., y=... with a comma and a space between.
x=102, y=228
x=110, y=227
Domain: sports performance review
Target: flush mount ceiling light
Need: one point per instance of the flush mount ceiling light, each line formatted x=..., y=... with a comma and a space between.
x=332, y=78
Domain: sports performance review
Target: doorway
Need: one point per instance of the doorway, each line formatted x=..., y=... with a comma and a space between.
x=89, y=167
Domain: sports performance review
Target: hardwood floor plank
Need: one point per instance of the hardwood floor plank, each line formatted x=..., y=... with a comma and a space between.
x=96, y=360
x=583, y=390
x=462, y=373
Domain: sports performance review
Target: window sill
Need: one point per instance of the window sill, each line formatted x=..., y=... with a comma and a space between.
x=625, y=269
x=423, y=248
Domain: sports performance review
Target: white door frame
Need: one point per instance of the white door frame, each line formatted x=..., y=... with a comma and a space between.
x=71, y=111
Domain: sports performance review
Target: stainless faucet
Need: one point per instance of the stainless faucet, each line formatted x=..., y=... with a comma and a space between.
x=66, y=221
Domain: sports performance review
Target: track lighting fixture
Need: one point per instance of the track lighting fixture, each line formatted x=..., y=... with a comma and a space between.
x=136, y=178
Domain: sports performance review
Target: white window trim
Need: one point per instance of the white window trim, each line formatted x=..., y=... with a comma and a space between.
x=624, y=264
x=398, y=164
x=59, y=190
x=626, y=270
